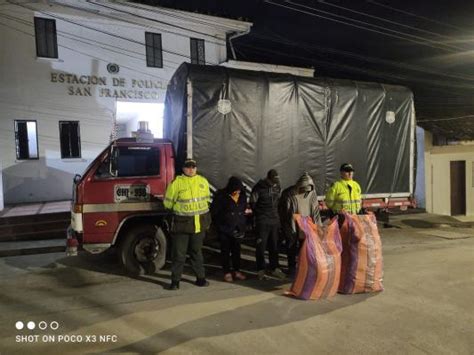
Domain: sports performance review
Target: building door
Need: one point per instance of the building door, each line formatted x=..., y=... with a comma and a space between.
x=458, y=187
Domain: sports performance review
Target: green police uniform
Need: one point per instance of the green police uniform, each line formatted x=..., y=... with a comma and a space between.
x=188, y=197
x=344, y=195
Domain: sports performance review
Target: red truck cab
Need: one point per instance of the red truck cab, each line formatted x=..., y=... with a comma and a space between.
x=118, y=202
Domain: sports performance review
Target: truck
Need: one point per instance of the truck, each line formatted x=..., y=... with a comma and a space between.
x=243, y=123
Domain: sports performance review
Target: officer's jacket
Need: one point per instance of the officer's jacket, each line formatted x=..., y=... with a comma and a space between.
x=344, y=195
x=189, y=197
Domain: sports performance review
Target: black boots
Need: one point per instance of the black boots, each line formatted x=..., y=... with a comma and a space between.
x=173, y=286
x=202, y=283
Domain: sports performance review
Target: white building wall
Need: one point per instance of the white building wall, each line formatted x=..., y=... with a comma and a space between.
x=88, y=40
x=437, y=177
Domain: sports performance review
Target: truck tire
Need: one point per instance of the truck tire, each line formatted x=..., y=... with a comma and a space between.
x=143, y=250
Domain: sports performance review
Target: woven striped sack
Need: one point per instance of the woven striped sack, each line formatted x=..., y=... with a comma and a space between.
x=362, y=266
x=319, y=260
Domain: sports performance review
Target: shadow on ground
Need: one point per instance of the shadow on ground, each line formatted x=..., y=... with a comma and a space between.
x=93, y=291
x=269, y=313
x=108, y=264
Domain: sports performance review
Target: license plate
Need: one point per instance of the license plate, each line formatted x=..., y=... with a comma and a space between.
x=131, y=193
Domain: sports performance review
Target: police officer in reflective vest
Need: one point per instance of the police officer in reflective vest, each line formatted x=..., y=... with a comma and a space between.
x=188, y=198
x=345, y=194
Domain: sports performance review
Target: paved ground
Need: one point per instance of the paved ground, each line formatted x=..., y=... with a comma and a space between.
x=427, y=306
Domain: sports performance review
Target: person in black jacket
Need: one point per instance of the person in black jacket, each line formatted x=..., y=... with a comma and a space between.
x=228, y=215
x=264, y=202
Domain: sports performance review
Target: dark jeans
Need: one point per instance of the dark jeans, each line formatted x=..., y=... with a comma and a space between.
x=293, y=246
x=181, y=244
x=267, y=235
x=230, y=250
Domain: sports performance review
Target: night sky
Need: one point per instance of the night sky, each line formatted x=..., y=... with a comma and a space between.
x=427, y=46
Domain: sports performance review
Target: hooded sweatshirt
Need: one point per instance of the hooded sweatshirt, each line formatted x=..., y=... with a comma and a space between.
x=304, y=203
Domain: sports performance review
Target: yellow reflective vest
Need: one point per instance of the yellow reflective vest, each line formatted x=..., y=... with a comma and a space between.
x=188, y=196
x=344, y=195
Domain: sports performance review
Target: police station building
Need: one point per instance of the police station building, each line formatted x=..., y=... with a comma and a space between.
x=76, y=74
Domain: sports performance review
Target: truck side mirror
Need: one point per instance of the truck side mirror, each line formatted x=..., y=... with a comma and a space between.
x=77, y=178
x=114, y=152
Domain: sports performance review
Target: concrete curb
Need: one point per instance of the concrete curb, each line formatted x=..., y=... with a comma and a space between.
x=32, y=251
x=31, y=247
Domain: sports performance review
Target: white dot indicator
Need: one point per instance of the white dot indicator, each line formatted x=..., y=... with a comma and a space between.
x=54, y=325
x=43, y=325
x=19, y=325
x=31, y=325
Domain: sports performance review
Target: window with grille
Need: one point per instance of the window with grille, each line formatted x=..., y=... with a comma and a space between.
x=46, y=40
x=198, y=55
x=26, y=138
x=70, y=138
x=154, y=52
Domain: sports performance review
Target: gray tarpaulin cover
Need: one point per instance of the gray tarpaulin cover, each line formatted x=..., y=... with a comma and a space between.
x=293, y=124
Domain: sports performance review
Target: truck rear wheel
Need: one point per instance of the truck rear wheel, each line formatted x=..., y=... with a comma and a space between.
x=143, y=250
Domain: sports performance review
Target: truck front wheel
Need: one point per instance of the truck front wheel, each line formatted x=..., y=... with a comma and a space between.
x=143, y=250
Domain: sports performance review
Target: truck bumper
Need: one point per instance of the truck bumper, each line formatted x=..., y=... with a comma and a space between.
x=96, y=248
x=72, y=242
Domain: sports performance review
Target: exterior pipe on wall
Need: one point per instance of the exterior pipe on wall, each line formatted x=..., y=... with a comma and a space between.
x=234, y=36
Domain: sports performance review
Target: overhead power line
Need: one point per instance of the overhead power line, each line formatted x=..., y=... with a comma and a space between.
x=188, y=16
x=424, y=42
x=91, y=56
x=280, y=39
x=99, y=30
x=157, y=21
x=371, y=72
x=401, y=35
x=89, y=41
x=328, y=3
x=414, y=15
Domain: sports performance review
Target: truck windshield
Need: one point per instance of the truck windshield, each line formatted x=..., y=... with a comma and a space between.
x=138, y=161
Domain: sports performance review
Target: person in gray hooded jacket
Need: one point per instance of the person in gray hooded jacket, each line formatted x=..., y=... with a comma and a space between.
x=300, y=198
